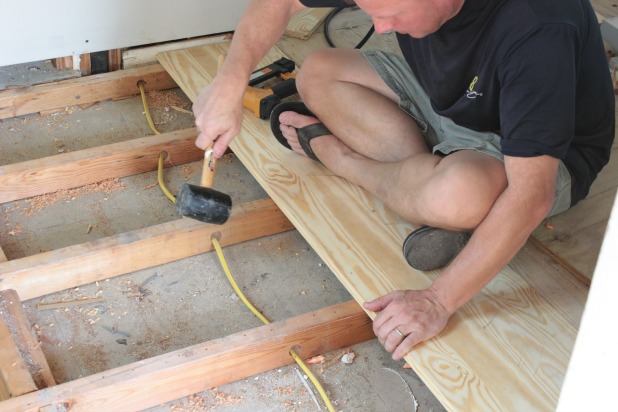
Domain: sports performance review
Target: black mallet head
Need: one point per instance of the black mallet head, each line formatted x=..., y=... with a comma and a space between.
x=203, y=204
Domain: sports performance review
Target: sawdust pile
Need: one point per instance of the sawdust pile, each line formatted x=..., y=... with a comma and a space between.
x=166, y=98
x=39, y=202
x=213, y=398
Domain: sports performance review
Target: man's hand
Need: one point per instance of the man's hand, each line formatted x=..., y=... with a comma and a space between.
x=416, y=314
x=218, y=116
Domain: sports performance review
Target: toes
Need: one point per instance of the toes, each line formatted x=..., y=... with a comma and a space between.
x=296, y=120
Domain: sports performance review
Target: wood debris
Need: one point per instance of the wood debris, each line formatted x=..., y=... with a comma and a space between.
x=187, y=171
x=62, y=305
x=39, y=202
x=166, y=98
x=316, y=359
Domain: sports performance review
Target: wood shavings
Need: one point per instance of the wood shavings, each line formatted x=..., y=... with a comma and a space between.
x=39, y=202
x=166, y=98
x=15, y=230
x=187, y=172
x=150, y=186
x=60, y=305
x=316, y=359
x=222, y=398
x=180, y=109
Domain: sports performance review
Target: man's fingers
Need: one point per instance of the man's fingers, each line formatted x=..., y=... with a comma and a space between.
x=406, y=345
x=380, y=303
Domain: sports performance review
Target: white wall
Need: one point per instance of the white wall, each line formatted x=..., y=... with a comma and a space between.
x=590, y=382
x=34, y=30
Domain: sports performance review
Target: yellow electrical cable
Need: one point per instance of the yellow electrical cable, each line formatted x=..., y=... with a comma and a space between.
x=140, y=84
x=160, y=180
x=166, y=192
x=257, y=313
x=226, y=269
x=241, y=295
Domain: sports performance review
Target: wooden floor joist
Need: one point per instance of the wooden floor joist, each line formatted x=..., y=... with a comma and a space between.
x=15, y=378
x=11, y=312
x=186, y=371
x=90, y=89
x=116, y=255
x=73, y=169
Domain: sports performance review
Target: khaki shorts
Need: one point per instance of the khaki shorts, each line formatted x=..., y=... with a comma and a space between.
x=441, y=133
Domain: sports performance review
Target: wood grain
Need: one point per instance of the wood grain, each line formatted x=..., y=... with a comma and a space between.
x=24, y=338
x=506, y=350
x=90, y=89
x=72, y=266
x=157, y=380
x=74, y=169
x=15, y=377
x=304, y=23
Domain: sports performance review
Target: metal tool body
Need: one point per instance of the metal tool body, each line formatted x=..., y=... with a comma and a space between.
x=261, y=100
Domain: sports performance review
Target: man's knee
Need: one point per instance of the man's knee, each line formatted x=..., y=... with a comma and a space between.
x=460, y=195
x=314, y=72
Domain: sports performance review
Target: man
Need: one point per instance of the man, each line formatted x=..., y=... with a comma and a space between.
x=501, y=114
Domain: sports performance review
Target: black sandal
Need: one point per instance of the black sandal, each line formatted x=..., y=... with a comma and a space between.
x=305, y=134
x=429, y=248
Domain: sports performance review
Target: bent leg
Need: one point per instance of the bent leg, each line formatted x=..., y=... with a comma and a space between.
x=380, y=147
x=352, y=100
x=454, y=192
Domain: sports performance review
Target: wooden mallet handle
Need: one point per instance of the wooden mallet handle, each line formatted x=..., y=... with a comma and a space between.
x=208, y=170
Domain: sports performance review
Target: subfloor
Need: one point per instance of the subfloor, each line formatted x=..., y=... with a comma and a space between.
x=170, y=307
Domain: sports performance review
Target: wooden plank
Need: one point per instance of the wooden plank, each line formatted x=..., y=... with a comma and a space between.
x=604, y=8
x=148, y=55
x=114, y=60
x=522, y=336
x=85, y=64
x=74, y=169
x=121, y=83
x=304, y=23
x=62, y=63
x=186, y=371
x=12, y=313
x=72, y=266
x=15, y=379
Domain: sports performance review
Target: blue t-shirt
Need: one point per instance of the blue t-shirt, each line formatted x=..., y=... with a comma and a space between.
x=533, y=71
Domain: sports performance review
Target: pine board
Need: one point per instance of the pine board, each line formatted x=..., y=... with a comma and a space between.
x=15, y=378
x=305, y=22
x=604, y=8
x=82, y=167
x=132, y=251
x=508, y=349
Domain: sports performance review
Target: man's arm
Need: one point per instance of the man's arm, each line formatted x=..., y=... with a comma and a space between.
x=218, y=109
x=522, y=206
